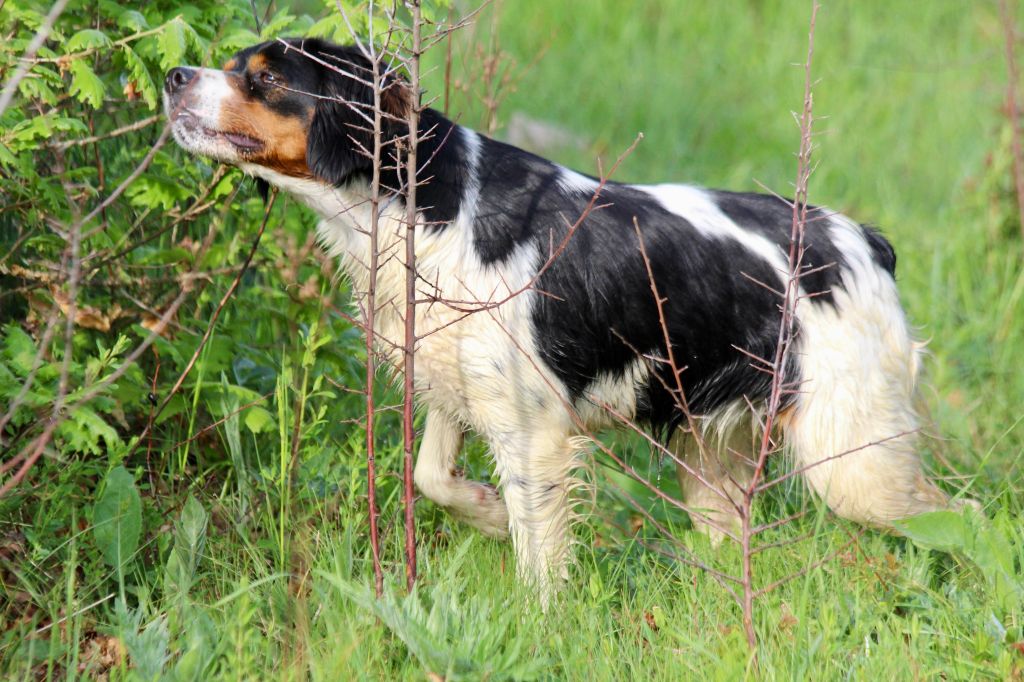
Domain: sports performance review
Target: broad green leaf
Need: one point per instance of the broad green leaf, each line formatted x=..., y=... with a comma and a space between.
x=258, y=419
x=986, y=543
x=189, y=541
x=85, y=84
x=84, y=429
x=19, y=348
x=147, y=648
x=6, y=157
x=330, y=27
x=946, y=531
x=238, y=39
x=155, y=191
x=277, y=25
x=33, y=87
x=132, y=20
x=117, y=518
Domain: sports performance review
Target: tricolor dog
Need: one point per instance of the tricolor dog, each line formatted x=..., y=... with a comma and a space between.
x=559, y=346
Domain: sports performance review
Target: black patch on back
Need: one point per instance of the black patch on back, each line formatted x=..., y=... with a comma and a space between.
x=601, y=313
x=772, y=217
x=519, y=200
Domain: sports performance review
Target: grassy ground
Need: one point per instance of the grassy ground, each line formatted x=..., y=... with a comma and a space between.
x=913, y=140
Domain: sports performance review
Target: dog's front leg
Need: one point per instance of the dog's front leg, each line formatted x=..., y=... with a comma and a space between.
x=534, y=469
x=475, y=503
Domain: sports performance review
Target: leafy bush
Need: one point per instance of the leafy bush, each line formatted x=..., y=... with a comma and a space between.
x=84, y=121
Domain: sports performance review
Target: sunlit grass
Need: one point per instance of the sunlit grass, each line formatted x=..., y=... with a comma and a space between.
x=911, y=139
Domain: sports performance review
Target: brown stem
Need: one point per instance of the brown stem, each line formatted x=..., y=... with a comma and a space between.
x=370, y=316
x=782, y=348
x=409, y=359
x=132, y=127
x=1013, y=105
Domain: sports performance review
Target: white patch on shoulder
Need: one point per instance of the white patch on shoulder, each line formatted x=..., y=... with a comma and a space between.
x=571, y=181
x=608, y=393
x=700, y=210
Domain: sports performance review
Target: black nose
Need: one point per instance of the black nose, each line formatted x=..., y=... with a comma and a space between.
x=178, y=78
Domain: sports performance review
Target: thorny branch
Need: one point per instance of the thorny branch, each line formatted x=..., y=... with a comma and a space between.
x=1013, y=104
x=783, y=342
x=409, y=357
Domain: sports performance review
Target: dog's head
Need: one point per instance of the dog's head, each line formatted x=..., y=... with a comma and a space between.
x=299, y=107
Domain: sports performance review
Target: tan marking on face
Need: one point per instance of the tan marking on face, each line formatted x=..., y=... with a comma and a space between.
x=256, y=63
x=231, y=65
x=283, y=137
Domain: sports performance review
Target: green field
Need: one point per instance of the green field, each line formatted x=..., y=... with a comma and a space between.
x=266, y=574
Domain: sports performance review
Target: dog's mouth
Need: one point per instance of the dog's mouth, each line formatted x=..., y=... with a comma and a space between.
x=243, y=143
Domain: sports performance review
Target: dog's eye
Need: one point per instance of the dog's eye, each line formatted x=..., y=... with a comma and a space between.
x=266, y=78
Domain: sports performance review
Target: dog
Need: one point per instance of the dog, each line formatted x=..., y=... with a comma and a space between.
x=536, y=314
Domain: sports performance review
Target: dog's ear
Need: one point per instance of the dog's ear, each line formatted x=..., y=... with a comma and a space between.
x=340, y=141
x=263, y=189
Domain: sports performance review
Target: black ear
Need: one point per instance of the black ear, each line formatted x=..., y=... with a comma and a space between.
x=340, y=136
x=340, y=141
x=263, y=188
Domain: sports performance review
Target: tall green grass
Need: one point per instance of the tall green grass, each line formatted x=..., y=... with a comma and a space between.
x=911, y=138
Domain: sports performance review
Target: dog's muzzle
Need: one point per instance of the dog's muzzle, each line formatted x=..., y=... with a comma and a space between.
x=178, y=78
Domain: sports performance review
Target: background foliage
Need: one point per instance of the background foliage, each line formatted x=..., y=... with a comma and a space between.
x=230, y=541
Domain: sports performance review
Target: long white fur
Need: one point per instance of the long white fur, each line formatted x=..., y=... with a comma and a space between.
x=481, y=371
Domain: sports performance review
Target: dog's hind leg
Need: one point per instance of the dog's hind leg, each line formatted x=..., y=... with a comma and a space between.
x=724, y=469
x=477, y=504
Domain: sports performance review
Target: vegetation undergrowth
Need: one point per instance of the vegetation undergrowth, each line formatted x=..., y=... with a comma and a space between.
x=230, y=541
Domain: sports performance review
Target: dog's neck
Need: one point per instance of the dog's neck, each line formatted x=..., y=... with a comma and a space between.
x=346, y=218
x=345, y=228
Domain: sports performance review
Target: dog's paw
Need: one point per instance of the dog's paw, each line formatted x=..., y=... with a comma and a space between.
x=483, y=508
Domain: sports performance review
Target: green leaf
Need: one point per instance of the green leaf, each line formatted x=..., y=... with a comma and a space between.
x=189, y=541
x=277, y=25
x=19, y=348
x=6, y=157
x=258, y=419
x=329, y=27
x=155, y=191
x=34, y=87
x=117, y=518
x=946, y=531
x=238, y=39
x=139, y=75
x=83, y=40
x=85, y=84
x=987, y=544
x=172, y=44
x=147, y=648
x=132, y=20
x=84, y=429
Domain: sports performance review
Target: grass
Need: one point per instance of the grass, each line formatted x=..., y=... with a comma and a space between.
x=909, y=101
